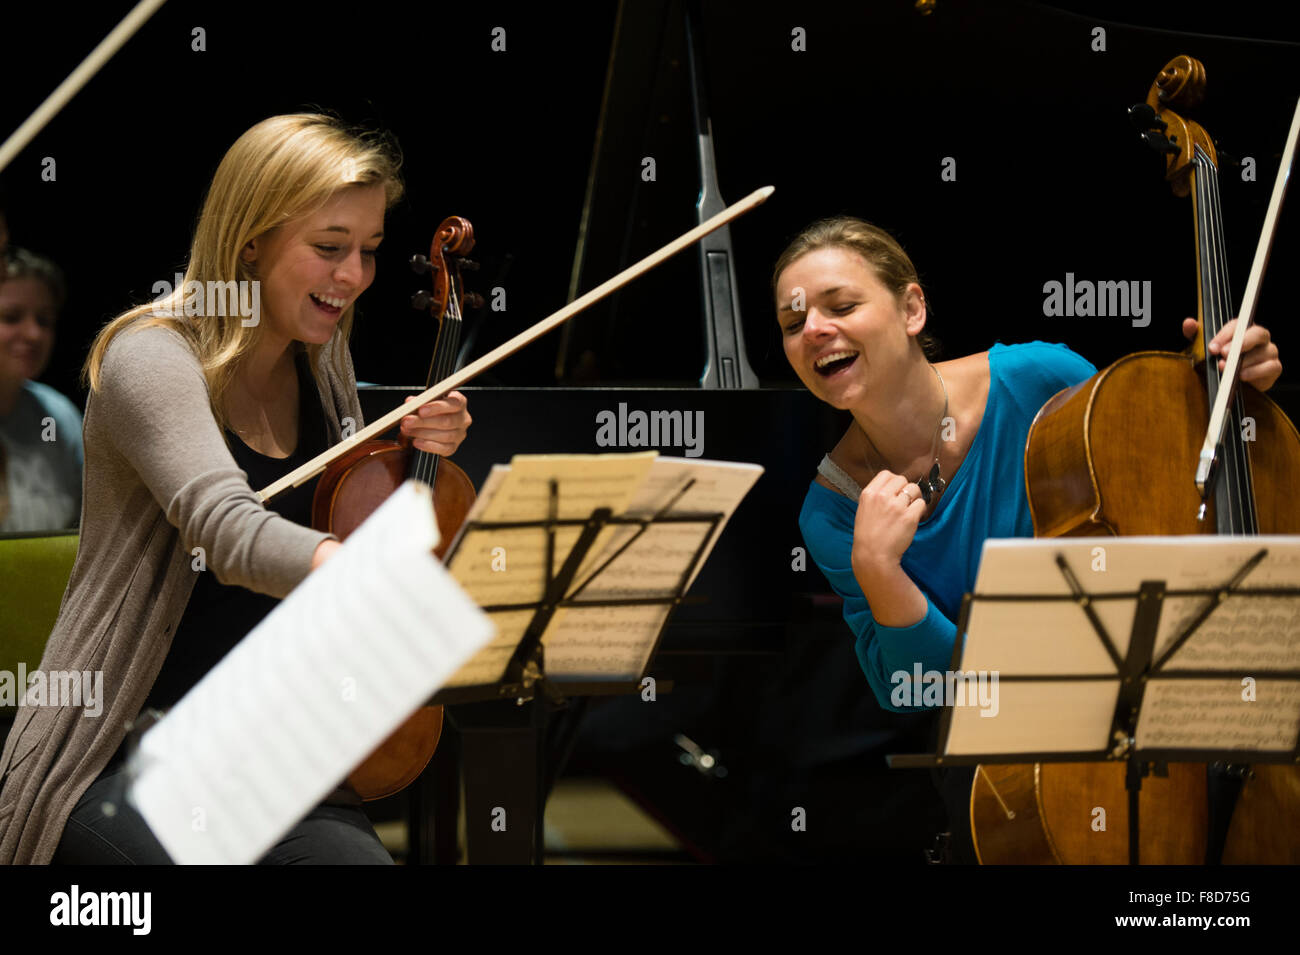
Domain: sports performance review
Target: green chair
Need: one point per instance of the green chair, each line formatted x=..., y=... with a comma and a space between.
x=34, y=571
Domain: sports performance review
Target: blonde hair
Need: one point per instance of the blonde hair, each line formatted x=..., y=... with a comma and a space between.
x=280, y=169
x=880, y=250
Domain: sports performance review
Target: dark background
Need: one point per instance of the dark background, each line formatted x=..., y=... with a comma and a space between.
x=1050, y=176
x=1051, y=179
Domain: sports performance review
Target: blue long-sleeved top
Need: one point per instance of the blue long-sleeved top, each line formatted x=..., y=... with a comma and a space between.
x=986, y=499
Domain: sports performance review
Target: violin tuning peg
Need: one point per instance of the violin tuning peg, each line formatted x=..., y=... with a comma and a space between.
x=421, y=301
x=473, y=300
x=469, y=265
x=421, y=264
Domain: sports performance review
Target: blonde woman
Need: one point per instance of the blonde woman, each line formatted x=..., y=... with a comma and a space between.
x=195, y=400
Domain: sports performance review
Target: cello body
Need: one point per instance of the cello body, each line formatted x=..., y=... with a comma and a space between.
x=1114, y=455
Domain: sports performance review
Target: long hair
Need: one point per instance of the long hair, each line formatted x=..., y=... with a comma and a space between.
x=880, y=250
x=282, y=168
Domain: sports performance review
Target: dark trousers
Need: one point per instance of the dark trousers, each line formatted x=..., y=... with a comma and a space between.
x=104, y=830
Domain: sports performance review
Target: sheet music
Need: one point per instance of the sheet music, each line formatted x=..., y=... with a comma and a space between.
x=1243, y=633
x=1022, y=565
x=1260, y=632
x=587, y=482
x=507, y=566
x=719, y=487
x=489, y=664
x=499, y=566
x=603, y=643
x=1212, y=714
x=1055, y=638
x=327, y=676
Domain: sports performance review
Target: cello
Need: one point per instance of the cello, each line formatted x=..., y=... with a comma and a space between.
x=354, y=486
x=1139, y=424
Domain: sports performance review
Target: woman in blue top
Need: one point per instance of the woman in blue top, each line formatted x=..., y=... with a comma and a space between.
x=933, y=463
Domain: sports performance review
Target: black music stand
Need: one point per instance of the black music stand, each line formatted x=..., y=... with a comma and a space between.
x=1135, y=673
x=504, y=757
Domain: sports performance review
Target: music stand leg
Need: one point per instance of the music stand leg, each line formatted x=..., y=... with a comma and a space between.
x=499, y=758
x=1222, y=787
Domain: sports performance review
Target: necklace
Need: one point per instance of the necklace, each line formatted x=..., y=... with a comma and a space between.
x=933, y=483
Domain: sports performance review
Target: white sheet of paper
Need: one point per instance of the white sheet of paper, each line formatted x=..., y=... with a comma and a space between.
x=271, y=730
x=1032, y=717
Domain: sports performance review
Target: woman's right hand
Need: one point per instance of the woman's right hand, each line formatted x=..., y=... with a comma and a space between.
x=890, y=509
x=324, y=551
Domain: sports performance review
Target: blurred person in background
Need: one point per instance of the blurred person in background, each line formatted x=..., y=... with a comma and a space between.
x=40, y=429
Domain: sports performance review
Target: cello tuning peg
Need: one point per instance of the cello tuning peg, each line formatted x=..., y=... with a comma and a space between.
x=421, y=264
x=421, y=301
x=1144, y=117
x=1159, y=143
x=469, y=265
x=1226, y=158
x=473, y=300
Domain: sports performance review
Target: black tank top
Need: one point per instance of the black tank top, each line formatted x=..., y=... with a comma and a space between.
x=219, y=616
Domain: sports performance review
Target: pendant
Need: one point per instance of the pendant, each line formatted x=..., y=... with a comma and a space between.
x=931, y=485
x=936, y=482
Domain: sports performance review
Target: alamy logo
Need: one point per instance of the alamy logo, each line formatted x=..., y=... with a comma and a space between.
x=651, y=429
x=83, y=688
x=959, y=688
x=1086, y=299
x=103, y=908
x=215, y=299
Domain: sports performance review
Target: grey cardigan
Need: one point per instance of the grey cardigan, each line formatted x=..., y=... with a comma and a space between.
x=159, y=482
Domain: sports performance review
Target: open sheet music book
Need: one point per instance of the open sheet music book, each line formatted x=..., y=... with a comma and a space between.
x=1250, y=645
x=361, y=643
x=500, y=567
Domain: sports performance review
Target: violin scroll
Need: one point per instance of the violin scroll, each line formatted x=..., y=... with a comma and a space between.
x=452, y=242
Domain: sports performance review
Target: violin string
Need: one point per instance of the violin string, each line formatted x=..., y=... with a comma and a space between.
x=426, y=463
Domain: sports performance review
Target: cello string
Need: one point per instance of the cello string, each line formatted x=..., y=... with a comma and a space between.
x=1232, y=470
x=1208, y=269
x=1240, y=489
x=1244, y=496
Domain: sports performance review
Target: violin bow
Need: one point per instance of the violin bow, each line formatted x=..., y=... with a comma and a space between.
x=78, y=78
x=318, y=464
x=1219, y=415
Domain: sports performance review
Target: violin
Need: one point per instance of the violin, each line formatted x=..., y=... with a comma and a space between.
x=1118, y=454
x=354, y=486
